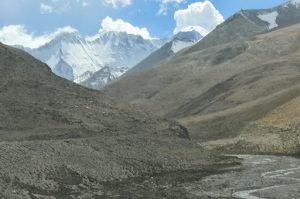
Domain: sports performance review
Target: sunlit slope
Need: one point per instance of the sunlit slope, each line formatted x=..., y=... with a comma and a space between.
x=218, y=91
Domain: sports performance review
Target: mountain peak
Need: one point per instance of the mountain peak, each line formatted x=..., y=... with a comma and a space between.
x=68, y=36
x=82, y=54
x=295, y=2
x=188, y=36
x=117, y=34
x=202, y=31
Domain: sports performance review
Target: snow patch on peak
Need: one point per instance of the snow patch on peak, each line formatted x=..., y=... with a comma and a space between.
x=185, y=39
x=198, y=29
x=92, y=38
x=86, y=75
x=104, y=76
x=179, y=45
x=270, y=18
x=65, y=30
x=192, y=36
x=295, y=2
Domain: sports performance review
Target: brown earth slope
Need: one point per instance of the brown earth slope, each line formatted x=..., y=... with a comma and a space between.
x=216, y=92
x=277, y=132
x=60, y=140
x=33, y=99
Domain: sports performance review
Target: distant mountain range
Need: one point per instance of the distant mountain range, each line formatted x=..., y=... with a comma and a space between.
x=98, y=60
x=74, y=57
x=107, y=74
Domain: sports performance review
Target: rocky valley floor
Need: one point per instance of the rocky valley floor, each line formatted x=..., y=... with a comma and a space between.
x=103, y=167
x=257, y=177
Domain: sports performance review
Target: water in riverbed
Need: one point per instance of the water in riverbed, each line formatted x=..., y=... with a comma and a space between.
x=276, y=177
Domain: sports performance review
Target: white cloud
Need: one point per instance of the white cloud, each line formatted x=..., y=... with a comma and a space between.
x=202, y=16
x=108, y=24
x=118, y=3
x=60, y=6
x=84, y=3
x=164, y=5
x=45, y=8
x=66, y=29
x=19, y=35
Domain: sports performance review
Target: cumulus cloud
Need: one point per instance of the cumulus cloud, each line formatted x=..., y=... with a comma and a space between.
x=108, y=24
x=202, y=16
x=66, y=29
x=45, y=8
x=19, y=35
x=118, y=3
x=164, y=5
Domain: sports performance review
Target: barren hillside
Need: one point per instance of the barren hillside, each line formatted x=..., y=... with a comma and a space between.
x=215, y=92
x=60, y=140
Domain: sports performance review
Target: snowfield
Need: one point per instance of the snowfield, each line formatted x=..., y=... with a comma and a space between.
x=270, y=18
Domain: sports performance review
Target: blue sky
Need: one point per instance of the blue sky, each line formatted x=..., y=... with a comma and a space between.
x=86, y=15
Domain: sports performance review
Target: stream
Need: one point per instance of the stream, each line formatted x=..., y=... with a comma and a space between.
x=272, y=177
x=258, y=177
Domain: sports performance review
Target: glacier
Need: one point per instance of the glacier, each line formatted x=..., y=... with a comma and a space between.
x=76, y=58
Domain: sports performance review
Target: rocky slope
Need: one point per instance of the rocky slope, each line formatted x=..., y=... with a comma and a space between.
x=60, y=140
x=217, y=90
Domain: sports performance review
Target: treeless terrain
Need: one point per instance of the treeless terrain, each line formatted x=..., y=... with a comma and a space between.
x=217, y=92
x=60, y=140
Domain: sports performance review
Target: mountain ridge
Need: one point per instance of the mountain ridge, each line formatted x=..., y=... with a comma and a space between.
x=82, y=54
x=245, y=23
x=220, y=73
x=178, y=42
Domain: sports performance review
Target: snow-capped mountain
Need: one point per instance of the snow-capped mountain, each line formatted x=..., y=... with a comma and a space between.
x=242, y=24
x=280, y=16
x=247, y=23
x=81, y=59
x=178, y=42
x=185, y=39
x=295, y=2
x=75, y=57
x=104, y=76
